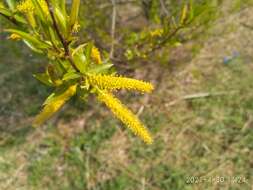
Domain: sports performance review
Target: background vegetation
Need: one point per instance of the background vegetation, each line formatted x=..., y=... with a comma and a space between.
x=200, y=113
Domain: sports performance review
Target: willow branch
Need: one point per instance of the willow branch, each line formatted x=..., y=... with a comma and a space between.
x=11, y=19
x=62, y=39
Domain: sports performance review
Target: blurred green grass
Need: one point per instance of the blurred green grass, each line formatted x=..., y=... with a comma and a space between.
x=211, y=137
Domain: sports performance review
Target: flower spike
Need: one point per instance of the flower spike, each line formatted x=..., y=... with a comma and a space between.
x=125, y=115
x=115, y=83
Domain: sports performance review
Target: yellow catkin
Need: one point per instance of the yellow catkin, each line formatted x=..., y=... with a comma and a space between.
x=114, y=83
x=27, y=7
x=156, y=33
x=126, y=116
x=14, y=37
x=95, y=55
x=54, y=106
x=44, y=7
x=76, y=27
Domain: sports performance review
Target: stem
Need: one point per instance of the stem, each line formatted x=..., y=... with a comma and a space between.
x=11, y=19
x=62, y=39
x=113, y=28
x=168, y=37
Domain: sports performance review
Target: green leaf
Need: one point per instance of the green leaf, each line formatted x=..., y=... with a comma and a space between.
x=11, y=4
x=5, y=12
x=59, y=91
x=55, y=104
x=61, y=20
x=20, y=19
x=100, y=69
x=87, y=52
x=32, y=47
x=74, y=12
x=49, y=99
x=54, y=75
x=191, y=10
x=62, y=5
x=66, y=65
x=44, y=78
x=70, y=76
x=80, y=59
x=44, y=21
x=80, y=62
x=184, y=14
x=29, y=38
x=80, y=47
x=39, y=11
x=8, y=13
x=59, y=67
x=52, y=36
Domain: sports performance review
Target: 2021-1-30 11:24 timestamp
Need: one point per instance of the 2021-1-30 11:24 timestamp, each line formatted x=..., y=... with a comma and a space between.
x=216, y=179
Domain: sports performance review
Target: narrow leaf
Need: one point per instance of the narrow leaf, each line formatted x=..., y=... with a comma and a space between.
x=28, y=37
x=184, y=14
x=74, y=12
x=31, y=46
x=11, y=4
x=70, y=76
x=61, y=20
x=100, y=69
x=44, y=78
x=80, y=59
x=55, y=104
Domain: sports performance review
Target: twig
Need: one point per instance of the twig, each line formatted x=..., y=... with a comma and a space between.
x=133, y=17
x=247, y=124
x=11, y=180
x=140, y=111
x=197, y=96
x=63, y=41
x=213, y=170
x=164, y=8
x=203, y=95
x=87, y=164
x=247, y=26
x=114, y=14
x=168, y=37
x=143, y=183
x=11, y=19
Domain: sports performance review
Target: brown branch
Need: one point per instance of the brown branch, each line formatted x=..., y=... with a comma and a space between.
x=62, y=39
x=11, y=19
x=165, y=40
x=171, y=35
